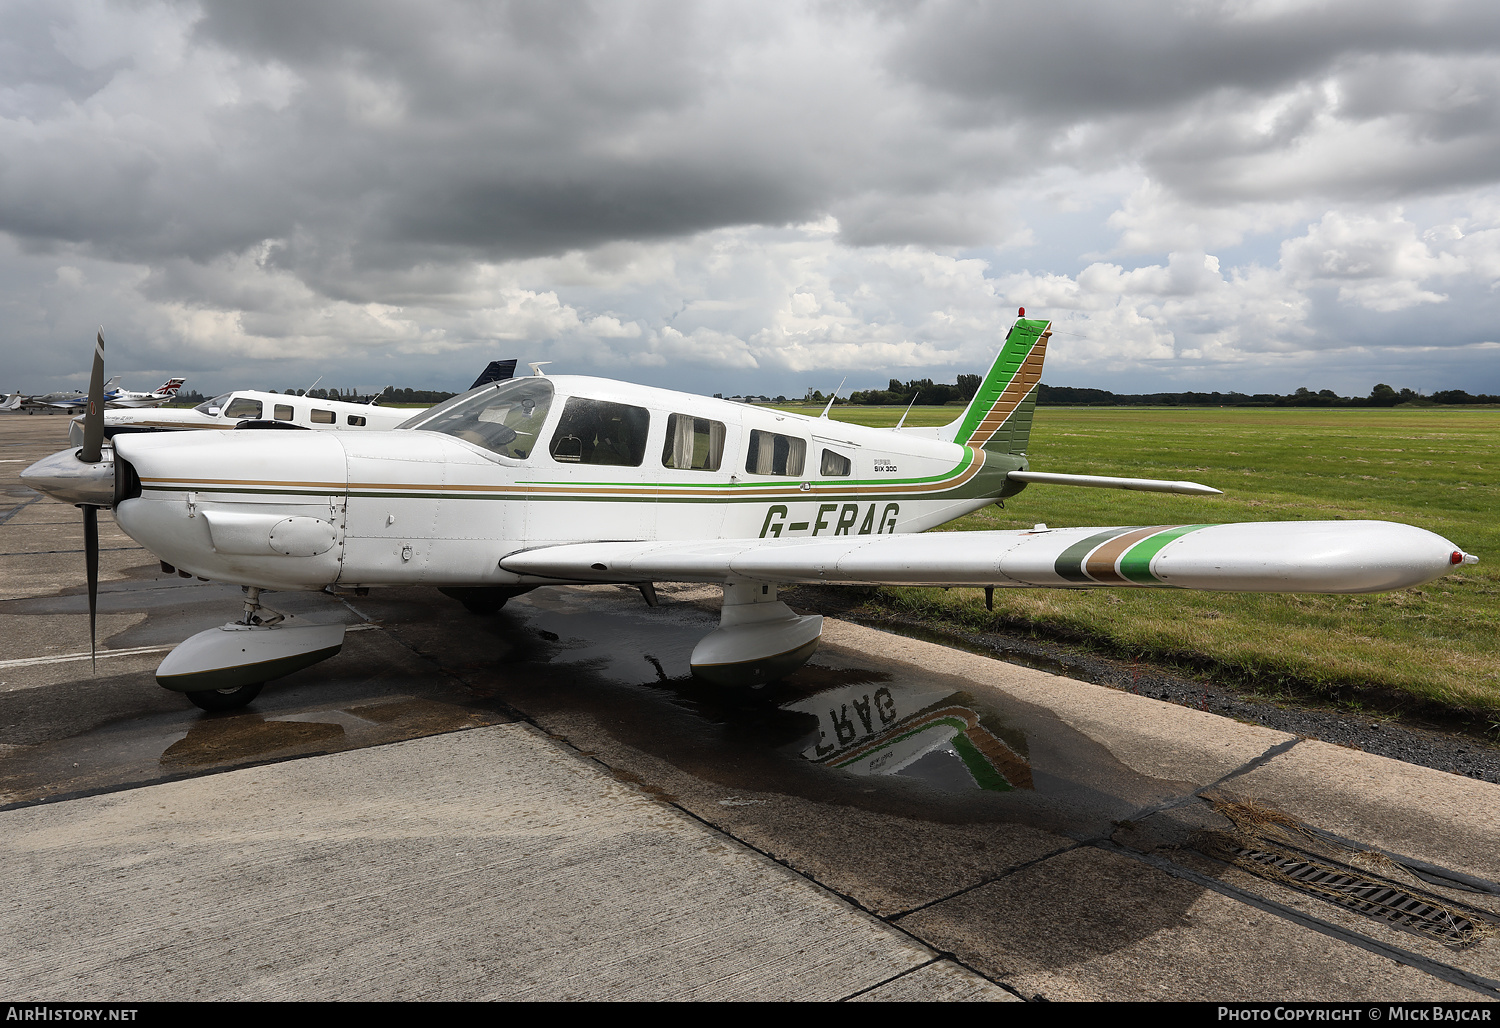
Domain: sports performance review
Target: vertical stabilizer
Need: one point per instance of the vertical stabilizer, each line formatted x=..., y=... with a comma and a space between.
x=998, y=419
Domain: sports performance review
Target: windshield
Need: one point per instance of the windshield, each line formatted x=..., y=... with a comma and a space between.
x=504, y=418
x=217, y=401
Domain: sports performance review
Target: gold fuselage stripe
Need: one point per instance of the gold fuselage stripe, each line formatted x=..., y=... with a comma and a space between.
x=584, y=489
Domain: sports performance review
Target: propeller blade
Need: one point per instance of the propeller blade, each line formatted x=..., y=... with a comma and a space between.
x=91, y=558
x=93, y=420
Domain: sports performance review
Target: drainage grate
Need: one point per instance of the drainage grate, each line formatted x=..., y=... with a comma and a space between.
x=1400, y=906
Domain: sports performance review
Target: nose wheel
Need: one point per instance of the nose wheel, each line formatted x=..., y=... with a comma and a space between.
x=225, y=699
x=224, y=668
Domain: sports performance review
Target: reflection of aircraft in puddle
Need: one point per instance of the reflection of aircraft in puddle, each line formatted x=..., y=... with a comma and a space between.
x=542, y=481
x=889, y=731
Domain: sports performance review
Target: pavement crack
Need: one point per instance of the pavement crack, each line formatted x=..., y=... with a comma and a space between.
x=893, y=918
x=893, y=978
x=18, y=508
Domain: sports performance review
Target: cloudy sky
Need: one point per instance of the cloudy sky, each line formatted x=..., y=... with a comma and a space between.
x=1253, y=195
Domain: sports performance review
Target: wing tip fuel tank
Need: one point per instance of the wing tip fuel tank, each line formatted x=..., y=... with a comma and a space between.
x=1319, y=556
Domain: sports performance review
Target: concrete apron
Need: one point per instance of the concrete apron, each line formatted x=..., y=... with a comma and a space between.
x=497, y=863
x=487, y=864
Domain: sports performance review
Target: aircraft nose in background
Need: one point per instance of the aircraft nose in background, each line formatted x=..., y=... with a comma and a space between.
x=63, y=476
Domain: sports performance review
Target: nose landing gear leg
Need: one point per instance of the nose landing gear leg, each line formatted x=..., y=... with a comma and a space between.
x=225, y=667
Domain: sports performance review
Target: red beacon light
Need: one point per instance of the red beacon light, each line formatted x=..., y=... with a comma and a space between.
x=1021, y=313
x=1457, y=557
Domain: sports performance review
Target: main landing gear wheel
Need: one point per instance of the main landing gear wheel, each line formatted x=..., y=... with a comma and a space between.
x=225, y=699
x=483, y=600
x=485, y=606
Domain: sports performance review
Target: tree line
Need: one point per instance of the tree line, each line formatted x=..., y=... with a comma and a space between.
x=1380, y=396
x=930, y=393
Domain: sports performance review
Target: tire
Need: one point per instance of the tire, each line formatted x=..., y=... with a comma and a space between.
x=483, y=600
x=225, y=699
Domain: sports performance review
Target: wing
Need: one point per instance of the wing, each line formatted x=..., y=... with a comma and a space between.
x=1297, y=556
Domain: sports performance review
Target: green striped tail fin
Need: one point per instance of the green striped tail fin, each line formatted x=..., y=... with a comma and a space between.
x=999, y=417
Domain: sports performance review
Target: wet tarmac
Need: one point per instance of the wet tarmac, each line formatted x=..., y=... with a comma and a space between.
x=1054, y=838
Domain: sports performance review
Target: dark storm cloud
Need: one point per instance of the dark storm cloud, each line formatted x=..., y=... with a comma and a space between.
x=1177, y=86
x=1077, y=58
x=784, y=185
x=523, y=128
x=412, y=133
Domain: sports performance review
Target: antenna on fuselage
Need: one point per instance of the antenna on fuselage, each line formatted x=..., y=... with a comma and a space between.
x=536, y=368
x=909, y=406
x=835, y=396
x=310, y=388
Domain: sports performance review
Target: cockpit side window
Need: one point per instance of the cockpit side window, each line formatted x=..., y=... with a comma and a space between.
x=600, y=432
x=505, y=418
x=243, y=407
x=207, y=405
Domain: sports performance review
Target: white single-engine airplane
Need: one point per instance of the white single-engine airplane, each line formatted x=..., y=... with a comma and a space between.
x=229, y=411
x=114, y=397
x=155, y=398
x=546, y=480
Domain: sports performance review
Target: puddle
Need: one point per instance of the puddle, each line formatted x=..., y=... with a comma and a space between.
x=847, y=728
x=130, y=597
x=246, y=736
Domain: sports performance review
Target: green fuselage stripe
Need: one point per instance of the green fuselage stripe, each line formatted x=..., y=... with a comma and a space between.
x=981, y=481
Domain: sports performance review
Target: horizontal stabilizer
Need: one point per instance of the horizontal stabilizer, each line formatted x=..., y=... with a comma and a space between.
x=1266, y=556
x=1144, y=485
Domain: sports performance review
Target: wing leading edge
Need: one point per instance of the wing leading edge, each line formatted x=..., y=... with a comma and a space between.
x=1310, y=556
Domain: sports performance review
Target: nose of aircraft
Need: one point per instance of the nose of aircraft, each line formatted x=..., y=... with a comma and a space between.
x=64, y=476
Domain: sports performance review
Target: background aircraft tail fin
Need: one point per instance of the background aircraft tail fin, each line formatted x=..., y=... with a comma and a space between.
x=999, y=417
x=495, y=371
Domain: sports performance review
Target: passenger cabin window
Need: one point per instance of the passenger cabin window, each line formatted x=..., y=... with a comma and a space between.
x=323, y=417
x=505, y=418
x=835, y=465
x=693, y=444
x=772, y=454
x=600, y=432
x=283, y=412
x=243, y=408
x=357, y=420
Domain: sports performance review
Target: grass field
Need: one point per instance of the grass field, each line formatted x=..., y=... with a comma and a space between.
x=1438, y=468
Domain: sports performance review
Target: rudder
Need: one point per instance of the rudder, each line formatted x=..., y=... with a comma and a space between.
x=998, y=419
